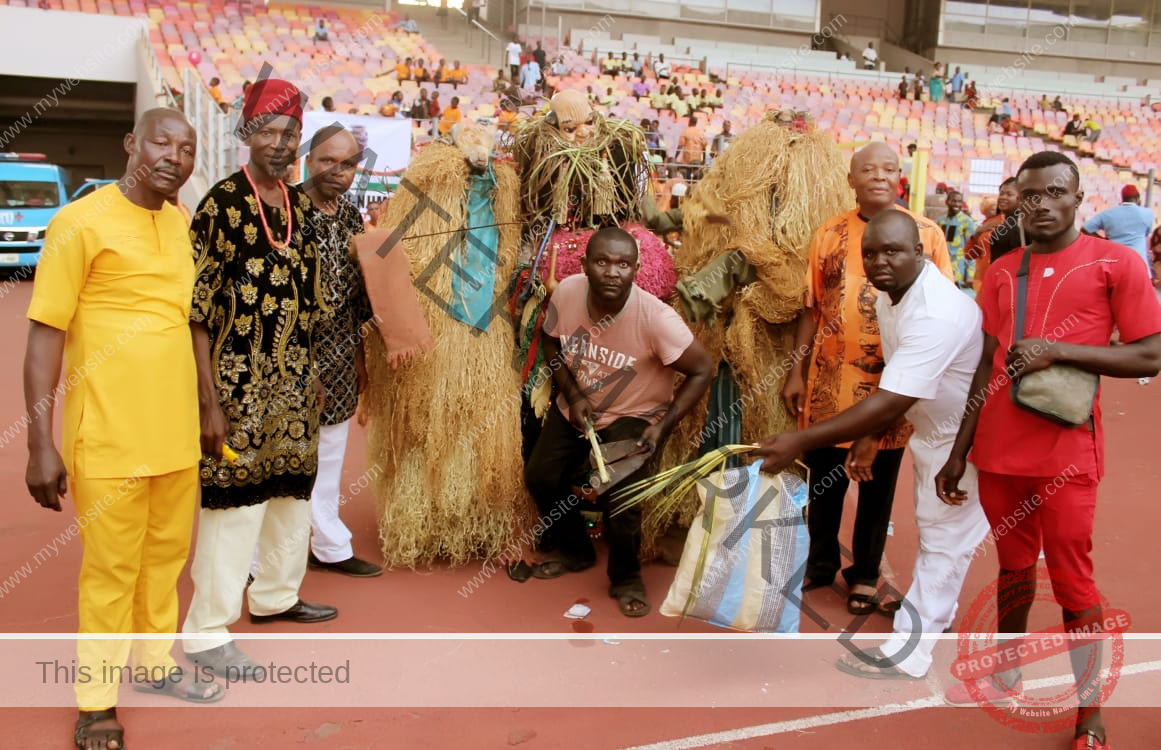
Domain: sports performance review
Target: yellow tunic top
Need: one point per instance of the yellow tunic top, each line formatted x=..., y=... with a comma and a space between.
x=118, y=279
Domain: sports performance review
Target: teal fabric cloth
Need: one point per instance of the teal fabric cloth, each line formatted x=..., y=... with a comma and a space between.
x=476, y=258
x=723, y=420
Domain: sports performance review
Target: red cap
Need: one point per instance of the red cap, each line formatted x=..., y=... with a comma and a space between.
x=272, y=97
x=1130, y=191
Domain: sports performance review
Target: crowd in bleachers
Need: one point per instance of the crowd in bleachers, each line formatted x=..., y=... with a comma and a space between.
x=356, y=61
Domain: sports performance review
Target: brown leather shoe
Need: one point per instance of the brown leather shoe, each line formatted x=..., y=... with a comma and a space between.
x=303, y=612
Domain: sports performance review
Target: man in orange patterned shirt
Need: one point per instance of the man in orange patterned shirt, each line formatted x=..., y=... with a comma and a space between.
x=839, y=326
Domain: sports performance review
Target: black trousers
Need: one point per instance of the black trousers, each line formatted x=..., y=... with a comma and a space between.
x=560, y=454
x=828, y=486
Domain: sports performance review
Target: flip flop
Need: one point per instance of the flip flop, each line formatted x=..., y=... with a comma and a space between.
x=627, y=594
x=183, y=689
x=887, y=670
x=83, y=732
x=888, y=610
x=519, y=571
x=870, y=603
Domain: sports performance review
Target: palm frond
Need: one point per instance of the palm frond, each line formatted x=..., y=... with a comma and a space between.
x=671, y=485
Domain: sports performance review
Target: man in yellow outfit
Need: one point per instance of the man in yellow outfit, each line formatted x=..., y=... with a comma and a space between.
x=112, y=295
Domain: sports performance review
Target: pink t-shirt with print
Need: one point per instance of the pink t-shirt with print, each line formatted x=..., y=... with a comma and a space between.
x=622, y=364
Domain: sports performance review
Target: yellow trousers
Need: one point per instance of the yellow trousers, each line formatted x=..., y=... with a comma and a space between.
x=136, y=537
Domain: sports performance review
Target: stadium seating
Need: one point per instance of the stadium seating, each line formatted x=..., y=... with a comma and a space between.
x=236, y=39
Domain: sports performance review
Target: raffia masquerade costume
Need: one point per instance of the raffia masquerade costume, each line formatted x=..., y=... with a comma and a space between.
x=743, y=281
x=446, y=426
x=580, y=172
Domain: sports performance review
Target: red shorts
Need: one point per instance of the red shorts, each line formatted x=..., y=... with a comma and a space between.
x=1055, y=514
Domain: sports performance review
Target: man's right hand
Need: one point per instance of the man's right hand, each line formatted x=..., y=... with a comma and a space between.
x=214, y=427
x=794, y=393
x=46, y=477
x=580, y=413
x=947, y=481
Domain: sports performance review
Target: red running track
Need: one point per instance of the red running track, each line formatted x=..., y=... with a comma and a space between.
x=431, y=601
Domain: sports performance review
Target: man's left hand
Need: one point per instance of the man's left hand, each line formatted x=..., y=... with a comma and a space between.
x=653, y=436
x=1031, y=355
x=778, y=452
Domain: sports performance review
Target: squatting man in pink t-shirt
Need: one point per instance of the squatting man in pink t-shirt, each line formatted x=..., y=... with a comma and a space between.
x=622, y=348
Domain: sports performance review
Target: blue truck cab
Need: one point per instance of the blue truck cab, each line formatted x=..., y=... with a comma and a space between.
x=31, y=192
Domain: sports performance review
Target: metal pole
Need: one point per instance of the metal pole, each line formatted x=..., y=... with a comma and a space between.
x=542, y=20
x=559, y=33
x=1149, y=188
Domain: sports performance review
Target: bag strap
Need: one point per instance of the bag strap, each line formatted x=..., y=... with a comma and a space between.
x=1022, y=293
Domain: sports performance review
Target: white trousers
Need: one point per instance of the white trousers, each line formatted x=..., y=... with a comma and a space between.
x=281, y=530
x=332, y=539
x=948, y=538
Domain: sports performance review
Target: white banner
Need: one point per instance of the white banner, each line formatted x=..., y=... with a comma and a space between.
x=387, y=142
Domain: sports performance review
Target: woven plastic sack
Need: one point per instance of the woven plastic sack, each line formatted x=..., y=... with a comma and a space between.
x=746, y=551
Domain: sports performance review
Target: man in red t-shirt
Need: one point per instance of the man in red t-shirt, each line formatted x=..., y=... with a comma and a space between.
x=1038, y=480
x=614, y=351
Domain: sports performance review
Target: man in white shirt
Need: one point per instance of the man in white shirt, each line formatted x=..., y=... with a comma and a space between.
x=870, y=56
x=931, y=347
x=530, y=77
x=514, y=49
x=661, y=68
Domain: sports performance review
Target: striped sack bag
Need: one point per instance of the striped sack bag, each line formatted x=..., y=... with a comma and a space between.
x=745, y=557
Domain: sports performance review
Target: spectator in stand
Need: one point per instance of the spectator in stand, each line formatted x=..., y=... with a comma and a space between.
x=440, y=74
x=320, y=31
x=433, y=108
x=957, y=85
x=1008, y=126
x=507, y=115
x=419, y=73
x=691, y=146
x=970, y=95
x=661, y=68
x=408, y=26
x=514, y=51
x=716, y=101
x=1092, y=130
x=237, y=103
x=903, y=87
x=640, y=90
x=216, y=89
x=1005, y=107
x=451, y=116
x=935, y=85
x=918, y=90
x=637, y=65
x=957, y=227
x=328, y=104
x=1074, y=127
x=607, y=100
x=457, y=75
x=722, y=140
x=541, y=57
x=403, y=70
x=530, y=77
x=870, y=57
x=1057, y=105
x=610, y=65
x=421, y=106
x=1128, y=224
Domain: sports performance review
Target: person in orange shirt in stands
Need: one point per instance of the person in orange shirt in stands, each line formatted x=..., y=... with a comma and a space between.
x=403, y=70
x=691, y=145
x=216, y=90
x=507, y=115
x=457, y=75
x=840, y=328
x=450, y=116
x=419, y=71
x=441, y=71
